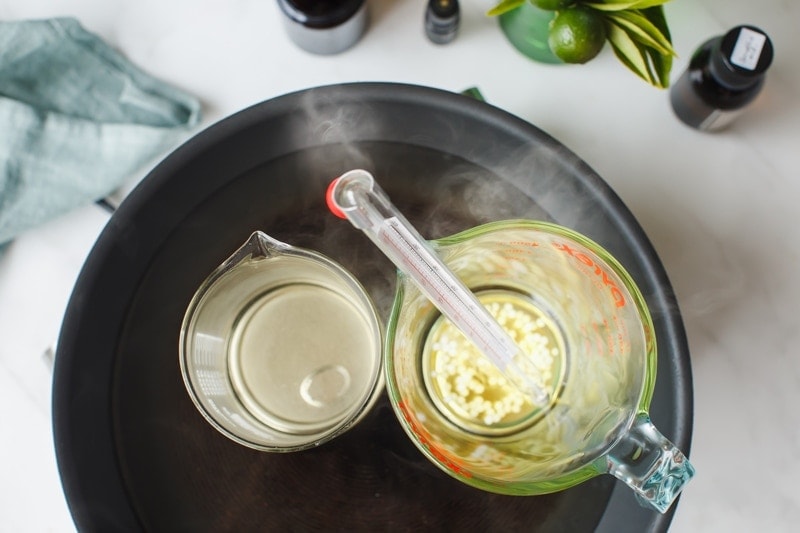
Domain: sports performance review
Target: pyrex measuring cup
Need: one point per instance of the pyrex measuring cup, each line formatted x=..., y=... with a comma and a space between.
x=280, y=348
x=589, y=339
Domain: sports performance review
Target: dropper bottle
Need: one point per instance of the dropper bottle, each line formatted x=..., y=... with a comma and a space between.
x=724, y=75
x=442, y=18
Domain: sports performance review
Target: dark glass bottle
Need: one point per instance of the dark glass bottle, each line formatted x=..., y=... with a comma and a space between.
x=442, y=20
x=724, y=75
x=328, y=27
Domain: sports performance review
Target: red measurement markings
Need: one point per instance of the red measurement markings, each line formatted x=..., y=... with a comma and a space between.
x=518, y=248
x=616, y=293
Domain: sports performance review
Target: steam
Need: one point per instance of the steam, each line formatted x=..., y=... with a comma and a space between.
x=708, y=278
x=490, y=182
x=443, y=175
x=725, y=283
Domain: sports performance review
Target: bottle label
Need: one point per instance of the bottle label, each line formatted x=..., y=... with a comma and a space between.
x=747, y=50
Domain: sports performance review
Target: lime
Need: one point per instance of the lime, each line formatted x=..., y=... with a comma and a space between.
x=577, y=34
x=552, y=5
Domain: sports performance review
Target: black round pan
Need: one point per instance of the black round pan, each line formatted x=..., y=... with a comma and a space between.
x=134, y=454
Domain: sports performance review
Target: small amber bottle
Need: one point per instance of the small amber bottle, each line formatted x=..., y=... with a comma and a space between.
x=724, y=75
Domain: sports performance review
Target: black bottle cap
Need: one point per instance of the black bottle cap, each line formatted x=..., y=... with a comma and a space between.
x=741, y=57
x=316, y=14
x=444, y=8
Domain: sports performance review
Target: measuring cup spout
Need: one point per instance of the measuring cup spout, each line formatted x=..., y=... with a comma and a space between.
x=258, y=246
x=649, y=464
x=261, y=245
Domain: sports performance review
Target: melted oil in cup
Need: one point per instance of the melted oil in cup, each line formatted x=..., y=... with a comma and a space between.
x=298, y=355
x=281, y=348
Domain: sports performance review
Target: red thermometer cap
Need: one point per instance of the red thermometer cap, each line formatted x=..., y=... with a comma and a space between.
x=331, y=202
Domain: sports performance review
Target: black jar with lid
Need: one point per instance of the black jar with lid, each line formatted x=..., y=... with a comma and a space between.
x=724, y=75
x=324, y=27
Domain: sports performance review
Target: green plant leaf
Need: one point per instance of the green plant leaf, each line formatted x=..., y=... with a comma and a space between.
x=637, y=31
x=621, y=5
x=630, y=53
x=642, y=30
x=661, y=64
x=504, y=6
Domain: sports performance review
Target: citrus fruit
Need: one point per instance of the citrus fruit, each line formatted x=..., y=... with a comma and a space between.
x=577, y=34
x=552, y=5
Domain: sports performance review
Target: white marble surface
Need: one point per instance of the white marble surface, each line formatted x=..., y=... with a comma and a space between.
x=721, y=210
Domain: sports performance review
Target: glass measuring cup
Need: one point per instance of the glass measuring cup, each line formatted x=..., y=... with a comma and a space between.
x=590, y=341
x=280, y=347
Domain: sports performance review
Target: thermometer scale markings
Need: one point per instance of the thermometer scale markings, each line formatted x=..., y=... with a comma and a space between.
x=437, y=288
x=357, y=197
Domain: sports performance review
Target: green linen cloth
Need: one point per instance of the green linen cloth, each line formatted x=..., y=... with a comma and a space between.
x=76, y=120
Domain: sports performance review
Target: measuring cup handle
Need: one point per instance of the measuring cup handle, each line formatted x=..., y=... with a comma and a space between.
x=649, y=464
